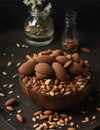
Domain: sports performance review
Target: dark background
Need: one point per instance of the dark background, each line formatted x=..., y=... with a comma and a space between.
x=14, y=12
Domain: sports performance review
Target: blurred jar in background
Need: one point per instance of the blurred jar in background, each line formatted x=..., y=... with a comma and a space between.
x=39, y=29
x=70, y=39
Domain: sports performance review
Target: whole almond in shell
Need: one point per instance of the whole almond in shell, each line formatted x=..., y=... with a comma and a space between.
x=76, y=57
x=44, y=68
x=75, y=68
x=60, y=72
x=45, y=59
x=27, y=68
x=61, y=59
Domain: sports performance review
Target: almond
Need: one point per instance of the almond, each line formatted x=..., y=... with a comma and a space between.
x=81, y=62
x=69, y=56
x=37, y=113
x=98, y=109
x=76, y=57
x=44, y=69
x=19, y=117
x=9, y=108
x=27, y=68
x=63, y=115
x=10, y=102
x=48, y=52
x=50, y=118
x=45, y=59
x=61, y=59
x=67, y=63
x=56, y=53
x=75, y=68
x=60, y=72
x=48, y=112
x=44, y=117
x=71, y=128
x=42, y=76
x=85, y=49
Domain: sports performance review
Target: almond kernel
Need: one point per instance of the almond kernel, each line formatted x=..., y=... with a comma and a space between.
x=19, y=117
x=10, y=102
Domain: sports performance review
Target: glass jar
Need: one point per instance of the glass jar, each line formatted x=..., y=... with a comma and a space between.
x=70, y=34
x=39, y=29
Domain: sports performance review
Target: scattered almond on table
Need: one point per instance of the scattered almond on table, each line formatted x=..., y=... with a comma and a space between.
x=98, y=109
x=10, y=101
x=2, y=94
x=4, y=73
x=85, y=49
x=9, y=108
x=19, y=117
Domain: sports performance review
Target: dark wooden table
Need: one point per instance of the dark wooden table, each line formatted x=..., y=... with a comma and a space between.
x=9, y=52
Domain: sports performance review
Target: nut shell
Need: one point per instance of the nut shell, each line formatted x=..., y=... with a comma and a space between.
x=75, y=68
x=45, y=59
x=76, y=57
x=43, y=69
x=61, y=59
x=42, y=76
x=27, y=68
x=60, y=72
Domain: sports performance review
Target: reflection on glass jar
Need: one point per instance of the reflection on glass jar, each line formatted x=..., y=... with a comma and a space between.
x=39, y=29
x=70, y=34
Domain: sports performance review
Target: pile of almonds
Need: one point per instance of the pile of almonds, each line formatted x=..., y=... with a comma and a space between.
x=55, y=72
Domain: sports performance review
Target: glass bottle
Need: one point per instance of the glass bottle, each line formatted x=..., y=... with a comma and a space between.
x=39, y=29
x=70, y=34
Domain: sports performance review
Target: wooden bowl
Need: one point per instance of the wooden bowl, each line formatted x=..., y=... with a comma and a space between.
x=58, y=102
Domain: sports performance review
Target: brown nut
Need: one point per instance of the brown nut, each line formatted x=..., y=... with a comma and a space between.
x=60, y=72
x=76, y=57
x=10, y=101
x=43, y=69
x=47, y=52
x=19, y=117
x=42, y=76
x=45, y=59
x=27, y=68
x=85, y=49
x=67, y=63
x=75, y=68
x=61, y=59
x=56, y=53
